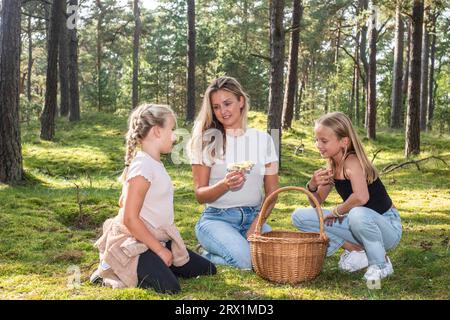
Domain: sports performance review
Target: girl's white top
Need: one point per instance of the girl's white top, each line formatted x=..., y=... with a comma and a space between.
x=157, y=208
x=255, y=146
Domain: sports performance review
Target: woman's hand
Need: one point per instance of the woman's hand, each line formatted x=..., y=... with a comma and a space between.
x=234, y=180
x=321, y=177
x=329, y=219
x=166, y=256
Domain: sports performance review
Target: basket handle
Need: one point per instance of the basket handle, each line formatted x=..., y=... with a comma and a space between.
x=263, y=215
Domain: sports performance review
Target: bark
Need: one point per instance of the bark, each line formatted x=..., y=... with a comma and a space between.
x=190, y=85
x=405, y=79
x=412, y=141
x=136, y=40
x=11, y=169
x=276, y=72
x=357, y=97
x=372, y=85
x=47, y=13
x=430, y=105
x=51, y=90
x=30, y=59
x=291, y=85
x=357, y=71
x=74, y=114
x=424, y=77
x=363, y=6
x=300, y=97
x=353, y=93
x=64, y=62
x=101, y=16
x=397, y=99
x=338, y=43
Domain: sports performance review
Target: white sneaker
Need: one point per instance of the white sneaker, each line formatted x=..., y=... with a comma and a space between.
x=95, y=278
x=343, y=257
x=375, y=273
x=352, y=261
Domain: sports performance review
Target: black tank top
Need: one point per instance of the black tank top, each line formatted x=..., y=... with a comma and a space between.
x=379, y=199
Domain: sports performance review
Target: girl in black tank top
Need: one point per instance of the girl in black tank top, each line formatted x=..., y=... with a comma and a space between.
x=369, y=224
x=379, y=199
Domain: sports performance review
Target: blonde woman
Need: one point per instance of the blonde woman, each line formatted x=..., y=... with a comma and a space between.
x=367, y=223
x=233, y=168
x=141, y=246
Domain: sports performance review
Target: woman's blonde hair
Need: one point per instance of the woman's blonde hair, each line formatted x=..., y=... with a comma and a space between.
x=141, y=120
x=207, y=120
x=342, y=127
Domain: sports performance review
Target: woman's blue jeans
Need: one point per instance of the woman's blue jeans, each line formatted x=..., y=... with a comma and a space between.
x=375, y=232
x=222, y=233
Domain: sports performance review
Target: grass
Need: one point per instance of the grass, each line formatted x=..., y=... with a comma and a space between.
x=50, y=222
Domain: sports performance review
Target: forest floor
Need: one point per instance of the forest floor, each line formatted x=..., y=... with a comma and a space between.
x=50, y=222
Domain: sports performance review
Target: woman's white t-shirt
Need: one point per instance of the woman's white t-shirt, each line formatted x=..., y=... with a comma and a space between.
x=255, y=146
x=157, y=208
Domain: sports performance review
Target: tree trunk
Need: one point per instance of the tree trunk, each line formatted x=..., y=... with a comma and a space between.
x=158, y=68
x=300, y=97
x=363, y=6
x=51, y=91
x=74, y=114
x=291, y=85
x=100, y=54
x=405, y=79
x=11, y=169
x=430, y=106
x=372, y=87
x=396, y=106
x=356, y=76
x=357, y=70
x=136, y=39
x=64, y=62
x=168, y=85
x=30, y=59
x=353, y=93
x=276, y=72
x=312, y=89
x=412, y=143
x=338, y=43
x=136, y=43
x=424, y=77
x=190, y=85
x=47, y=12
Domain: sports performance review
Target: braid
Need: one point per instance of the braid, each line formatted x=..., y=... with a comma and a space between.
x=142, y=119
x=132, y=143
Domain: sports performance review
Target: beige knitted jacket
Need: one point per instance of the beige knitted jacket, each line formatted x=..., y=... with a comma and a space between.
x=120, y=250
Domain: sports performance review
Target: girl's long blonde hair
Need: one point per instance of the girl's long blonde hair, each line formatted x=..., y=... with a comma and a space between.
x=207, y=120
x=342, y=127
x=141, y=120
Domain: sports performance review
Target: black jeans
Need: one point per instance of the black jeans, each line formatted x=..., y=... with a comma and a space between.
x=153, y=273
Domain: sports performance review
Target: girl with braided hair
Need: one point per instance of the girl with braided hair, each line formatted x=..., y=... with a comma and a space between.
x=141, y=246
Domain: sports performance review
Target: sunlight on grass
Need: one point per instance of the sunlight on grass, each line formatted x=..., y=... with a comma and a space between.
x=50, y=222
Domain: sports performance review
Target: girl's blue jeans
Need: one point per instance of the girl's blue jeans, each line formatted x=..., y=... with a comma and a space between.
x=375, y=232
x=222, y=233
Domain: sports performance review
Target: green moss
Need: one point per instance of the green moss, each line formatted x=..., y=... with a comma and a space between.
x=50, y=222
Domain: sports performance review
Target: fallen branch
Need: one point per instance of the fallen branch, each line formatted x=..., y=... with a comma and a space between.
x=375, y=154
x=392, y=167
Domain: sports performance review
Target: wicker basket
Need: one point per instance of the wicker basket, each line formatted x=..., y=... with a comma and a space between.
x=288, y=256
